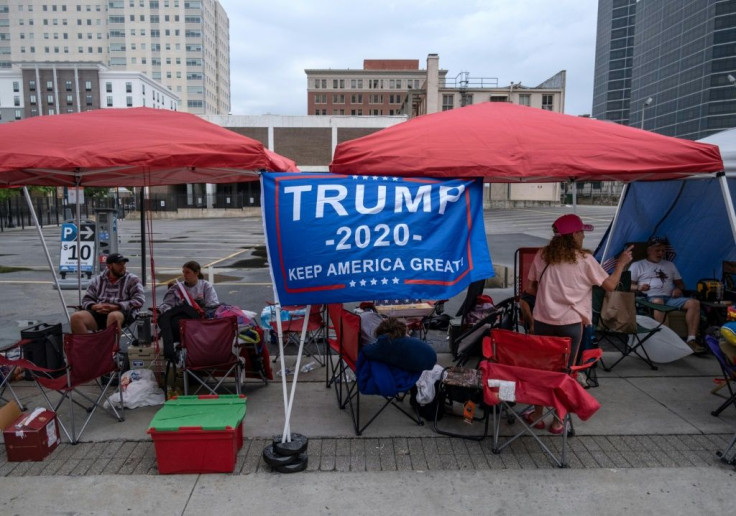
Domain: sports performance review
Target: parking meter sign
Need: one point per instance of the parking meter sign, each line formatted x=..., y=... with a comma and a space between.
x=69, y=252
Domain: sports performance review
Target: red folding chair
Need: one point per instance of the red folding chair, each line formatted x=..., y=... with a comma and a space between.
x=209, y=353
x=293, y=326
x=523, y=258
x=91, y=360
x=533, y=370
x=346, y=380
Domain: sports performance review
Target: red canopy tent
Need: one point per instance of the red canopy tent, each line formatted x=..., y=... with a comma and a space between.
x=129, y=147
x=505, y=142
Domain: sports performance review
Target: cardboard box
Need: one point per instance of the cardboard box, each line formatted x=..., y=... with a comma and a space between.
x=198, y=434
x=145, y=357
x=32, y=440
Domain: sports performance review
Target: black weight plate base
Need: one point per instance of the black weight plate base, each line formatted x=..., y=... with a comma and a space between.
x=295, y=467
x=297, y=445
x=274, y=459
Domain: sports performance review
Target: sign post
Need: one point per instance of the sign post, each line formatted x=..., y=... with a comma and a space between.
x=73, y=252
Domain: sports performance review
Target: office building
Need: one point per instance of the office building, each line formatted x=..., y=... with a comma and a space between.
x=34, y=89
x=667, y=66
x=184, y=45
x=399, y=87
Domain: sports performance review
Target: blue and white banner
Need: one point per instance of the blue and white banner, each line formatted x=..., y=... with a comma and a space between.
x=334, y=239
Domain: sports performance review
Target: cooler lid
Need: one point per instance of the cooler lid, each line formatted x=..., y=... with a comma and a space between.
x=204, y=412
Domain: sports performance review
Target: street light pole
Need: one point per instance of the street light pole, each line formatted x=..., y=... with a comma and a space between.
x=643, y=110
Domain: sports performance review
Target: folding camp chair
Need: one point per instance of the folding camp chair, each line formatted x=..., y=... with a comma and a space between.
x=346, y=378
x=293, y=326
x=534, y=370
x=627, y=343
x=468, y=344
x=729, y=373
x=91, y=359
x=523, y=258
x=209, y=353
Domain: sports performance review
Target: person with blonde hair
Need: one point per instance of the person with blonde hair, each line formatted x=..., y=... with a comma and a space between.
x=562, y=277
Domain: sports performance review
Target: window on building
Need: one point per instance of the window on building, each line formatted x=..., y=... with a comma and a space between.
x=338, y=99
x=128, y=87
x=466, y=99
x=547, y=102
x=69, y=100
x=499, y=98
x=50, y=85
x=356, y=98
x=16, y=86
x=50, y=100
x=88, y=85
x=32, y=85
x=17, y=114
x=129, y=101
x=448, y=102
x=108, y=87
x=32, y=100
x=88, y=100
x=525, y=99
x=375, y=99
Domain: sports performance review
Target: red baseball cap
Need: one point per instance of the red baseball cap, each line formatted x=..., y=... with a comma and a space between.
x=570, y=223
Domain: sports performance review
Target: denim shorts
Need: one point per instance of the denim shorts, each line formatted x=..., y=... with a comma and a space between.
x=677, y=302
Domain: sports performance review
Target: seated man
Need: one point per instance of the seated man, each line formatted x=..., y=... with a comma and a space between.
x=660, y=280
x=113, y=297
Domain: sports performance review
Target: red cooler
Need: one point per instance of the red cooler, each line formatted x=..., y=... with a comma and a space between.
x=198, y=434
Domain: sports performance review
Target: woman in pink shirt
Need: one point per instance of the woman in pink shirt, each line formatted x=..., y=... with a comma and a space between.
x=561, y=277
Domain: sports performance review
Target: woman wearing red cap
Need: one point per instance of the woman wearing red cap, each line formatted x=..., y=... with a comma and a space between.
x=562, y=276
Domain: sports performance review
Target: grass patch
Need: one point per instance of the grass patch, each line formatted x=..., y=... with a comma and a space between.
x=4, y=269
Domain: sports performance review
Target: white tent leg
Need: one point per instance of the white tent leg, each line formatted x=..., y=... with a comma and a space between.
x=729, y=204
x=46, y=251
x=615, y=221
x=296, y=375
x=280, y=332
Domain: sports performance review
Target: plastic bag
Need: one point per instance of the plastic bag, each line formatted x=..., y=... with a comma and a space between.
x=139, y=390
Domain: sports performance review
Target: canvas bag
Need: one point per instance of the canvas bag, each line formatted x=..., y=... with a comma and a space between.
x=618, y=312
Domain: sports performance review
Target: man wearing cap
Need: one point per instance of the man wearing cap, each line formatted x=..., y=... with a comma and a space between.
x=113, y=297
x=661, y=282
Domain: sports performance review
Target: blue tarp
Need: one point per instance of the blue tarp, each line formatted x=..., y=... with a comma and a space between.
x=691, y=213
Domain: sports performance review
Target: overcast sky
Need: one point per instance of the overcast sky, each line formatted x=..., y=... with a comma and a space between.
x=272, y=42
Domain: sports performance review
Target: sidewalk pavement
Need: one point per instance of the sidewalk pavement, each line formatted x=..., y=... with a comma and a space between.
x=650, y=448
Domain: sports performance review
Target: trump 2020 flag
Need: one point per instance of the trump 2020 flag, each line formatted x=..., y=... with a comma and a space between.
x=334, y=239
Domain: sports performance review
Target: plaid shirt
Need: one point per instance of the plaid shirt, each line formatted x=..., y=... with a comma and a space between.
x=126, y=292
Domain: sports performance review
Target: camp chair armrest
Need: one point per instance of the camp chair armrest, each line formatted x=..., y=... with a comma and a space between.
x=588, y=359
x=655, y=306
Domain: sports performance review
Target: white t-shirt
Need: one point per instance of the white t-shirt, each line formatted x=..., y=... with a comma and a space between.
x=565, y=291
x=659, y=276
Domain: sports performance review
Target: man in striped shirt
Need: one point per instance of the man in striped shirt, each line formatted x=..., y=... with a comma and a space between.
x=113, y=297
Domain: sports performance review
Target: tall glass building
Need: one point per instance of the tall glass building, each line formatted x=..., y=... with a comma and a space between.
x=668, y=66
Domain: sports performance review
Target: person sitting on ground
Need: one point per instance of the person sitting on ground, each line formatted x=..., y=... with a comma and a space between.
x=394, y=347
x=191, y=299
x=661, y=282
x=113, y=297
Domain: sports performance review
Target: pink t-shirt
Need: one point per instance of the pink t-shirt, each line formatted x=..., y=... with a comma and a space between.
x=564, y=286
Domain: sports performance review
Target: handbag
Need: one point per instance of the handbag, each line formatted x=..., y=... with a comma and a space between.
x=618, y=312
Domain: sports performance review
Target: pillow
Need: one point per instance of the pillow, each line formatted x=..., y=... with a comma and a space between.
x=405, y=353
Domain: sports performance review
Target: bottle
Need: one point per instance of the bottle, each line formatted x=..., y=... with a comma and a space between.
x=308, y=367
x=288, y=372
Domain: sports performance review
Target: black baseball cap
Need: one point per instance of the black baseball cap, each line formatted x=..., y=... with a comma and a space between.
x=657, y=240
x=116, y=258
